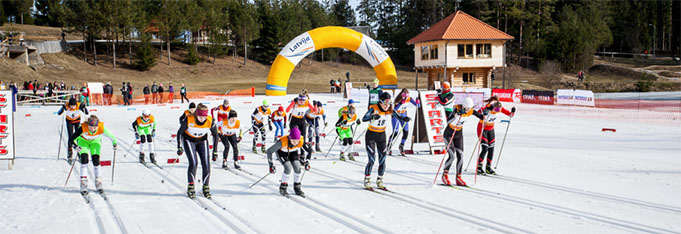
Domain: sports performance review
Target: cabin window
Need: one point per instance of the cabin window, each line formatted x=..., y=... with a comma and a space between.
x=433, y=52
x=465, y=50
x=483, y=51
x=424, y=52
x=469, y=78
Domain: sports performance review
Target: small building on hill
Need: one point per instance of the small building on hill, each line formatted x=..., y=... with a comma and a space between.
x=460, y=49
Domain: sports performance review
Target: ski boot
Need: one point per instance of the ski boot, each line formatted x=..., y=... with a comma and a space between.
x=445, y=178
x=480, y=171
x=282, y=189
x=402, y=150
x=152, y=157
x=237, y=165
x=489, y=170
x=296, y=188
x=367, y=183
x=214, y=158
x=190, y=191
x=224, y=164
x=69, y=156
x=342, y=157
x=316, y=147
x=255, y=149
x=83, y=186
x=263, y=149
x=351, y=157
x=142, y=157
x=459, y=181
x=98, y=185
x=379, y=183
x=206, y=192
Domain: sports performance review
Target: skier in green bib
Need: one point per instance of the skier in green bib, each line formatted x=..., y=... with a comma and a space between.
x=374, y=93
x=87, y=139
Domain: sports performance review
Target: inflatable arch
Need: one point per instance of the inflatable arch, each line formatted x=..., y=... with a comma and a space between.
x=329, y=37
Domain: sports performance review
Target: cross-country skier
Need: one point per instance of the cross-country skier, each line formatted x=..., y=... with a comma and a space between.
x=486, y=133
x=378, y=116
x=258, y=118
x=446, y=98
x=374, y=93
x=344, y=109
x=188, y=112
x=145, y=131
x=288, y=152
x=454, y=133
x=73, y=111
x=222, y=111
x=230, y=134
x=297, y=110
x=401, y=108
x=279, y=119
x=87, y=140
x=314, y=122
x=193, y=135
x=345, y=134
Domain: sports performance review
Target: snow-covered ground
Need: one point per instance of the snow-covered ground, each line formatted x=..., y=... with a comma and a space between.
x=558, y=174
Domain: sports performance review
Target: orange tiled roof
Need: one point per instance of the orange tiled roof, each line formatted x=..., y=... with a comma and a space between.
x=460, y=26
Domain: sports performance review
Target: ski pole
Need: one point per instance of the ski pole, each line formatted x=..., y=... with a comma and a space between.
x=259, y=180
x=61, y=135
x=129, y=148
x=113, y=168
x=69, y=176
x=392, y=141
x=446, y=152
x=476, y=145
x=332, y=144
x=502, y=143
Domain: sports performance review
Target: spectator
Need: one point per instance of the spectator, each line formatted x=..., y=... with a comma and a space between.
x=146, y=93
x=129, y=93
x=347, y=76
x=26, y=85
x=160, y=93
x=171, y=92
x=108, y=92
x=62, y=85
x=50, y=90
x=2, y=86
x=338, y=85
x=124, y=93
x=85, y=95
x=154, y=91
x=183, y=94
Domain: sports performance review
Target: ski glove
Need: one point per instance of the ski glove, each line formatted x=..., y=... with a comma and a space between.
x=272, y=169
x=76, y=148
x=343, y=122
x=485, y=111
x=153, y=133
x=513, y=110
x=115, y=146
x=238, y=139
x=406, y=119
x=137, y=136
x=375, y=117
x=179, y=151
x=358, y=121
x=270, y=127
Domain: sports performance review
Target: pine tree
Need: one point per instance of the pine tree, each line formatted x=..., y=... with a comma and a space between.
x=145, y=58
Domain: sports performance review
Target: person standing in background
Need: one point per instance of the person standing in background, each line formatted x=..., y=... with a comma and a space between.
x=183, y=94
x=146, y=93
x=124, y=93
x=154, y=91
x=160, y=93
x=171, y=92
x=129, y=93
x=85, y=94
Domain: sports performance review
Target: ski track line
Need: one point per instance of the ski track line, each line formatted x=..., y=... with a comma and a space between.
x=556, y=208
x=114, y=215
x=199, y=202
x=338, y=217
x=432, y=208
x=602, y=196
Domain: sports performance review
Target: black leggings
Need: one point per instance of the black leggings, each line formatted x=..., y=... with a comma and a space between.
x=455, y=149
x=259, y=129
x=227, y=141
x=487, y=145
x=70, y=128
x=84, y=159
x=198, y=149
x=145, y=139
x=183, y=96
x=375, y=144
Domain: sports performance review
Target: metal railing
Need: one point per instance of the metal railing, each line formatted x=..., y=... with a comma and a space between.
x=29, y=97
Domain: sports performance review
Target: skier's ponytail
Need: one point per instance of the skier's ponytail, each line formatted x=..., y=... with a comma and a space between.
x=492, y=98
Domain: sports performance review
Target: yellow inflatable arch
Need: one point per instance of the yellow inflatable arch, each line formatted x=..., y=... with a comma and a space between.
x=329, y=37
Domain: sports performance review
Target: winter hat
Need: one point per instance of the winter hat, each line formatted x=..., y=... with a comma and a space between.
x=232, y=114
x=72, y=102
x=351, y=101
x=384, y=96
x=302, y=97
x=192, y=105
x=281, y=108
x=295, y=134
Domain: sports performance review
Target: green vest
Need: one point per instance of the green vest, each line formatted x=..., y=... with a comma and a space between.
x=374, y=96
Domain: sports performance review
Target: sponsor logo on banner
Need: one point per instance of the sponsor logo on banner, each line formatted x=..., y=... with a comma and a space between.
x=6, y=125
x=298, y=48
x=517, y=95
x=434, y=118
x=538, y=97
x=575, y=97
x=371, y=51
x=505, y=95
